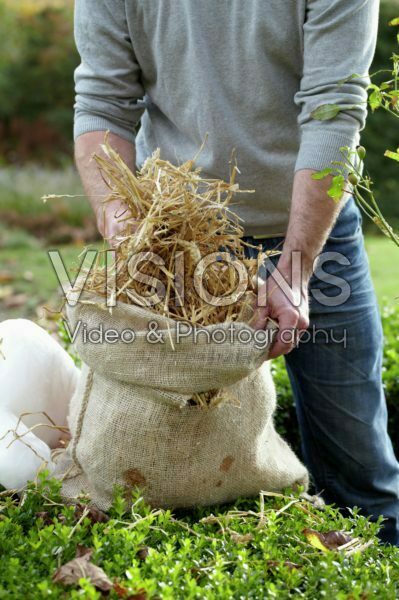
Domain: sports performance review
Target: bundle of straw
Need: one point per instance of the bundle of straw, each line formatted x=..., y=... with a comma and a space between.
x=173, y=213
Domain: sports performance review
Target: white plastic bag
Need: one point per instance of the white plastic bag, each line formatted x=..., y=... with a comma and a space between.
x=37, y=377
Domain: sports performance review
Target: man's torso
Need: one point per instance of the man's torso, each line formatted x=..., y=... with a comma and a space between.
x=226, y=71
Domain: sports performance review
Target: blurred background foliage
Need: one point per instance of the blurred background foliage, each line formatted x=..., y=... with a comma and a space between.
x=37, y=60
x=382, y=132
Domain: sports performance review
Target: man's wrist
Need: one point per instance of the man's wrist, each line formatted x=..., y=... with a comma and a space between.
x=293, y=260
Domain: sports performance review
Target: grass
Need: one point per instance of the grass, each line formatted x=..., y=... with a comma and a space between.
x=384, y=260
x=29, y=276
x=21, y=192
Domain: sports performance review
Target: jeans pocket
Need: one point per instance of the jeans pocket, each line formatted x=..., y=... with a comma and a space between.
x=349, y=224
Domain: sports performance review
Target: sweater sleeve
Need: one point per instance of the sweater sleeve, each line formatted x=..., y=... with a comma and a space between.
x=339, y=40
x=107, y=82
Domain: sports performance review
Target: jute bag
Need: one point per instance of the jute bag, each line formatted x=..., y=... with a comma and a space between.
x=133, y=423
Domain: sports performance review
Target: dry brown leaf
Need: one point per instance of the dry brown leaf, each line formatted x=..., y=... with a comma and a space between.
x=140, y=595
x=120, y=590
x=316, y=501
x=6, y=277
x=44, y=515
x=123, y=592
x=72, y=571
x=241, y=539
x=83, y=551
x=94, y=514
x=332, y=540
x=15, y=300
x=142, y=553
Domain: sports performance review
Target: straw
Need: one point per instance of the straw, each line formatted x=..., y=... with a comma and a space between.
x=172, y=212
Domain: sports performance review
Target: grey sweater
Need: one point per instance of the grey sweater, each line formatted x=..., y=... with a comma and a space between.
x=247, y=73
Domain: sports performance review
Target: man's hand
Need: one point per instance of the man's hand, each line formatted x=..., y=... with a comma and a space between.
x=286, y=306
x=109, y=215
x=110, y=220
x=313, y=214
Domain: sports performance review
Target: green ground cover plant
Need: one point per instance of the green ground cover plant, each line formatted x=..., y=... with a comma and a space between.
x=272, y=548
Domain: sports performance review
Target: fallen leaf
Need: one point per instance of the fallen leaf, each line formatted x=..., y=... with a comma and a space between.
x=15, y=301
x=44, y=515
x=332, y=540
x=6, y=277
x=123, y=592
x=335, y=539
x=241, y=539
x=140, y=595
x=316, y=501
x=83, y=551
x=94, y=514
x=143, y=553
x=72, y=571
x=120, y=590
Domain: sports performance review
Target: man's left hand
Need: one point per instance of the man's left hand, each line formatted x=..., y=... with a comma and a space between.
x=289, y=308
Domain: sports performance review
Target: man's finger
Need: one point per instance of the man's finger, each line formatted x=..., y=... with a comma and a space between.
x=302, y=325
x=260, y=318
x=261, y=312
x=286, y=337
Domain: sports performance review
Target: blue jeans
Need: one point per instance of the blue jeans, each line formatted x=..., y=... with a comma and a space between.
x=337, y=386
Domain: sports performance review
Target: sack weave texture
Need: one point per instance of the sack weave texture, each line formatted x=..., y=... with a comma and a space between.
x=133, y=425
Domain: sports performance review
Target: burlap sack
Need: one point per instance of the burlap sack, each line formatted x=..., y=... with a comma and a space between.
x=132, y=422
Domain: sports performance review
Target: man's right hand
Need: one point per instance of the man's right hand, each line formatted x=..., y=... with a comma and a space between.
x=110, y=216
x=111, y=222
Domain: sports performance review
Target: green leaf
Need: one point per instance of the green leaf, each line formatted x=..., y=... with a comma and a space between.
x=375, y=98
x=337, y=188
x=323, y=174
x=394, y=22
x=325, y=112
x=392, y=155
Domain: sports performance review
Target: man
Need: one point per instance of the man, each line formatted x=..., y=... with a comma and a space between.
x=248, y=74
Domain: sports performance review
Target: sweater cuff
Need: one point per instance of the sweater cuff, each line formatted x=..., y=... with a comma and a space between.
x=319, y=148
x=86, y=123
